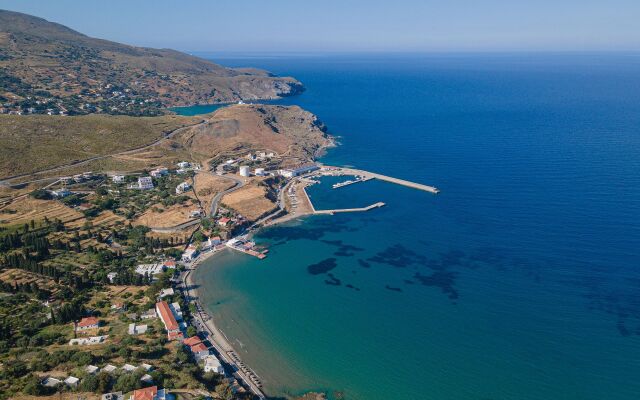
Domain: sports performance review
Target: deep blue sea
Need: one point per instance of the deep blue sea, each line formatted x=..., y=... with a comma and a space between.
x=520, y=280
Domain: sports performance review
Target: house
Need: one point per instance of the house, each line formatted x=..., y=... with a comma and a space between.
x=150, y=393
x=183, y=187
x=214, y=241
x=60, y=193
x=72, y=381
x=170, y=264
x=166, y=292
x=196, y=213
x=146, y=367
x=137, y=329
x=200, y=351
x=149, y=314
x=118, y=178
x=111, y=276
x=109, y=369
x=88, y=341
x=150, y=269
x=181, y=171
x=146, y=378
x=192, y=341
x=92, y=369
x=113, y=396
x=183, y=164
x=212, y=364
x=118, y=307
x=158, y=172
x=168, y=319
x=129, y=368
x=145, y=183
x=189, y=254
x=51, y=382
x=224, y=221
x=87, y=323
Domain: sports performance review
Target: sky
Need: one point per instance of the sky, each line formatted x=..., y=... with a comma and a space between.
x=351, y=25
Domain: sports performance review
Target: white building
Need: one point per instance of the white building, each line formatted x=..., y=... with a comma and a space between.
x=189, y=254
x=259, y=172
x=150, y=269
x=137, y=329
x=244, y=170
x=109, y=369
x=183, y=164
x=212, y=364
x=145, y=183
x=51, y=382
x=92, y=369
x=112, y=396
x=149, y=314
x=60, y=193
x=118, y=178
x=111, y=276
x=183, y=187
x=160, y=171
x=71, y=381
x=290, y=173
x=166, y=292
x=129, y=368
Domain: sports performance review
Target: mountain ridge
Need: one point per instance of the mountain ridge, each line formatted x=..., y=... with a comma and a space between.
x=50, y=68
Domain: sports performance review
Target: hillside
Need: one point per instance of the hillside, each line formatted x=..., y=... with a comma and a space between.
x=289, y=131
x=37, y=142
x=48, y=68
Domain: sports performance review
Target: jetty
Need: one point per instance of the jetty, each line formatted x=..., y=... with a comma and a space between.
x=347, y=210
x=371, y=175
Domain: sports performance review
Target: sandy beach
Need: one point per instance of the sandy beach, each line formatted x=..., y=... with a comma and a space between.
x=206, y=323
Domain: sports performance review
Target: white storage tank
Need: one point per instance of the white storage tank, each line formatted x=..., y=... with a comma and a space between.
x=259, y=171
x=244, y=170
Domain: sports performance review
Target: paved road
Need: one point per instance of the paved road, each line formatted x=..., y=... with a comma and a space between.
x=216, y=200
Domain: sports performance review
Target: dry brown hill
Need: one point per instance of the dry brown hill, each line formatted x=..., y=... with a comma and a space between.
x=289, y=131
x=47, y=67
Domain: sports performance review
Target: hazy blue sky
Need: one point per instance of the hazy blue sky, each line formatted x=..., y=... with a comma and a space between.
x=345, y=25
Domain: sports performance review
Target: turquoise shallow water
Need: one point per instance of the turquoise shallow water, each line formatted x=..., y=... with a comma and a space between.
x=519, y=281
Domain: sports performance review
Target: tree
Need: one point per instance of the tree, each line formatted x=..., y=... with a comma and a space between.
x=191, y=331
x=89, y=384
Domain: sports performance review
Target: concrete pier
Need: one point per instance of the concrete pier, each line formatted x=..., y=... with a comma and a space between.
x=390, y=179
x=345, y=210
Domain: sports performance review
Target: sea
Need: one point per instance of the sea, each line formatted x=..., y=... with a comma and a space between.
x=520, y=280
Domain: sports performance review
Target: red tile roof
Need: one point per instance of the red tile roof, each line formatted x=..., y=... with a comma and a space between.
x=85, y=322
x=175, y=335
x=199, y=347
x=192, y=341
x=170, y=263
x=146, y=393
x=167, y=316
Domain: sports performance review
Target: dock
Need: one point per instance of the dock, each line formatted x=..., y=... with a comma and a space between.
x=350, y=182
x=347, y=210
x=246, y=248
x=371, y=175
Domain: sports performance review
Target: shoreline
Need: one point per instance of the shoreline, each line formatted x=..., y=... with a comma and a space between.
x=216, y=336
